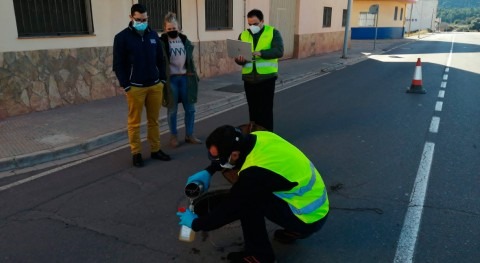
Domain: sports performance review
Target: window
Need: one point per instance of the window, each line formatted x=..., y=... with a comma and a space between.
x=401, y=14
x=218, y=14
x=53, y=17
x=327, y=17
x=395, y=15
x=367, y=19
x=344, y=18
x=157, y=10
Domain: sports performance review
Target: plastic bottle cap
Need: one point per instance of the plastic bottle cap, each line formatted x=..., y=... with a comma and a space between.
x=182, y=209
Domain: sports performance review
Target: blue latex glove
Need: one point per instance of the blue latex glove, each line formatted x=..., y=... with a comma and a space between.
x=186, y=218
x=202, y=176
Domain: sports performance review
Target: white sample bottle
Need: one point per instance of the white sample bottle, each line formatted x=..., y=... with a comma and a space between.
x=186, y=233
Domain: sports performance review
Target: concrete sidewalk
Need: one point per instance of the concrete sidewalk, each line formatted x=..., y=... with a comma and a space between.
x=83, y=130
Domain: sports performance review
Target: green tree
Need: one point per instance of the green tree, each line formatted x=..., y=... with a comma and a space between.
x=458, y=15
x=475, y=24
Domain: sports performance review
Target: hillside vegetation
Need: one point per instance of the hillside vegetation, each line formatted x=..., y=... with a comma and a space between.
x=465, y=13
x=459, y=3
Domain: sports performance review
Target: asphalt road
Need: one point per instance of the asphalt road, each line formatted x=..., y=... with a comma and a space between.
x=364, y=133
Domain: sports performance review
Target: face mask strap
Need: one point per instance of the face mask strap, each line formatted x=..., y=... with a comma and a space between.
x=227, y=165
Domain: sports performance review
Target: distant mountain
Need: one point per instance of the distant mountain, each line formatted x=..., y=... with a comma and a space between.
x=447, y=4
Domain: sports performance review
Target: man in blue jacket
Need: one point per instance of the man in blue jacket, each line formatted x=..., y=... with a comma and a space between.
x=139, y=63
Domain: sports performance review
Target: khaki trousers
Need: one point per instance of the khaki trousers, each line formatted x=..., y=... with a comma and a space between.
x=150, y=97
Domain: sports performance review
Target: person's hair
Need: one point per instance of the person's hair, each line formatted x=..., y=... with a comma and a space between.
x=226, y=138
x=255, y=13
x=170, y=17
x=138, y=8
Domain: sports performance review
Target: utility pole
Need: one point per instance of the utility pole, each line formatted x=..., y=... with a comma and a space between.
x=347, y=29
x=420, y=27
x=376, y=30
x=374, y=9
x=410, y=22
x=433, y=19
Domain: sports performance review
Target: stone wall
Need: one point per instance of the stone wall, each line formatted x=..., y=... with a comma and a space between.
x=46, y=79
x=214, y=59
x=308, y=45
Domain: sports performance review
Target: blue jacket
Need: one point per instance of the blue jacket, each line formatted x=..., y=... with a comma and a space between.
x=138, y=60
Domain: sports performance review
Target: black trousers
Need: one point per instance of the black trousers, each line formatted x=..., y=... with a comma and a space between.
x=260, y=102
x=252, y=217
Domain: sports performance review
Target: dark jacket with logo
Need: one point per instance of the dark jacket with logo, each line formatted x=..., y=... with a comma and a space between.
x=138, y=60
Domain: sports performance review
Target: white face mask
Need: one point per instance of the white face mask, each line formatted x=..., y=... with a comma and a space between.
x=227, y=165
x=255, y=29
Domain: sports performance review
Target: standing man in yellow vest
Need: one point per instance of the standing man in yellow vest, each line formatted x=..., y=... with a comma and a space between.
x=276, y=180
x=260, y=72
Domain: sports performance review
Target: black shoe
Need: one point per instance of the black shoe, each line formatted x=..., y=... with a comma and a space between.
x=243, y=257
x=160, y=156
x=137, y=160
x=287, y=236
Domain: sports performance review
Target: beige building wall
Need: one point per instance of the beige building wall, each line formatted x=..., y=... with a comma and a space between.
x=311, y=18
x=386, y=12
x=311, y=37
x=109, y=17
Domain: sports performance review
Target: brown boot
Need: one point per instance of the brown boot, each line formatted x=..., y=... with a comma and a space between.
x=192, y=139
x=173, y=141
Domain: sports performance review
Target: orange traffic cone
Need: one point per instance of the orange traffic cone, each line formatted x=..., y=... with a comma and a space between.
x=416, y=86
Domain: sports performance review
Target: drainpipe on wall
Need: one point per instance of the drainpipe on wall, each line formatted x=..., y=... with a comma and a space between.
x=198, y=38
x=410, y=22
x=420, y=21
x=244, y=14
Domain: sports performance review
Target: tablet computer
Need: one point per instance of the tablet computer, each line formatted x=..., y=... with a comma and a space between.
x=237, y=48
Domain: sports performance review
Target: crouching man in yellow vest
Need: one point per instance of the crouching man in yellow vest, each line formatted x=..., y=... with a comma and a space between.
x=276, y=180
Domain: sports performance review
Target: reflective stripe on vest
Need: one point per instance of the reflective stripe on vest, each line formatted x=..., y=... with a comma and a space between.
x=308, y=200
x=314, y=205
x=263, y=66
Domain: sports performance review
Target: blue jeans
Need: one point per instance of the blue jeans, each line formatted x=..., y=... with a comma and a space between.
x=179, y=89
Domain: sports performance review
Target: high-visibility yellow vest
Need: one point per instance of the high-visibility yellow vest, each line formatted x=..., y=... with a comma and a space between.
x=263, y=66
x=308, y=200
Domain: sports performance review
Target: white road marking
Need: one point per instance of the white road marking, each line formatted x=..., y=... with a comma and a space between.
x=441, y=94
x=434, y=124
x=411, y=224
x=451, y=52
x=56, y=169
x=413, y=217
